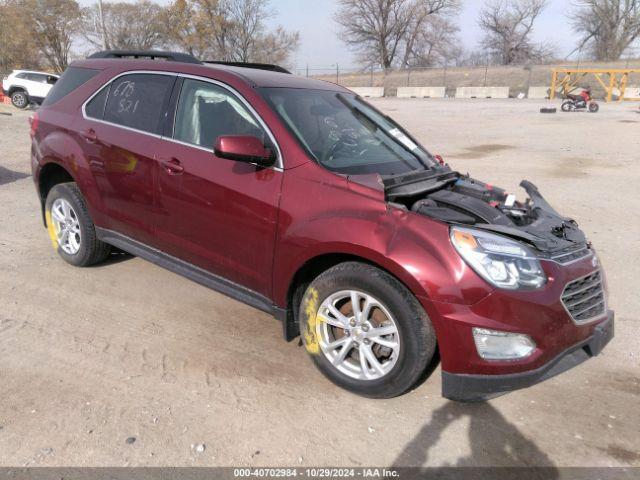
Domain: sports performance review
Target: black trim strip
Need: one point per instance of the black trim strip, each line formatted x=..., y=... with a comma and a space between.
x=197, y=274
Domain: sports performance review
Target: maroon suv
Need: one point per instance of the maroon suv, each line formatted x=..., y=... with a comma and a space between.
x=299, y=198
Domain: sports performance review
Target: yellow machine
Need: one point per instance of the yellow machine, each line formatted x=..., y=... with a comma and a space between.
x=613, y=80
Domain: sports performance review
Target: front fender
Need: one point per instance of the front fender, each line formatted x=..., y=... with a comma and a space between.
x=321, y=215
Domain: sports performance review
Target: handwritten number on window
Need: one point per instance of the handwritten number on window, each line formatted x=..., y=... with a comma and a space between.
x=125, y=90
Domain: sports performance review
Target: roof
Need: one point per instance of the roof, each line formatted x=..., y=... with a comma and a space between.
x=252, y=76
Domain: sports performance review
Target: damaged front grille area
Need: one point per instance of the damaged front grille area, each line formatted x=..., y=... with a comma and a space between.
x=570, y=255
x=584, y=298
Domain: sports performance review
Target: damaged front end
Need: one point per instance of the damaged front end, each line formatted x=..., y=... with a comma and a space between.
x=450, y=197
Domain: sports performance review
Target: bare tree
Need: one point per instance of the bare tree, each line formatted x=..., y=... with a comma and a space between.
x=248, y=16
x=187, y=28
x=251, y=41
x=54, y=24
x=431, y=34
x=607, y=27
x=435, y=44
x=374, y=29
x=276, y=47
x=17, y=46
x=134, y=26
x=508, y=27
x=382, y=31
x=229, y=30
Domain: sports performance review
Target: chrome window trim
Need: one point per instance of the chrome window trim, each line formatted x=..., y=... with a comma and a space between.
x=105, y=85
x=279, y=166
x=595, y=318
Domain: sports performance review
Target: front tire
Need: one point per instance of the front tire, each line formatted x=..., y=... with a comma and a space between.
x=71, y=228
x=20, y=99
x=594, y=107
x=380, y=348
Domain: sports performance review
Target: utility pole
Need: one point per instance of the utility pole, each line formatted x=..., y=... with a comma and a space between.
x=486, y=70
x=337, y=73
x=444, y=74
x=103, y=29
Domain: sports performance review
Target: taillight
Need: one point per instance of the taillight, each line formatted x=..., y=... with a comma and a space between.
x=33, y=121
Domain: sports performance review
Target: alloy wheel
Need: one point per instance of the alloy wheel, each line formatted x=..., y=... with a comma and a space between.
x=19, y=100
x=358, y=335
x=67, y=226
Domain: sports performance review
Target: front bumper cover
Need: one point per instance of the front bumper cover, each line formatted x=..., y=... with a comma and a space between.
x=470, y=388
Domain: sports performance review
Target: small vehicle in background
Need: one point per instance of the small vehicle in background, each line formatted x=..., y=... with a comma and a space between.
x=25, y=87
x=579, y=102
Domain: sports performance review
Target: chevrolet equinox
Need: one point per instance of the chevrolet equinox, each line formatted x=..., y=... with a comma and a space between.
x=299, y=198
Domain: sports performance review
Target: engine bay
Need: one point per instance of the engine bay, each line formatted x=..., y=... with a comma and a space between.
x=448, y=196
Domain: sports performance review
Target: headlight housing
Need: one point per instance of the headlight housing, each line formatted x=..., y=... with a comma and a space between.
x=501, y=261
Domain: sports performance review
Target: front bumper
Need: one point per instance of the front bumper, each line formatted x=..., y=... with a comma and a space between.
x=470, y=388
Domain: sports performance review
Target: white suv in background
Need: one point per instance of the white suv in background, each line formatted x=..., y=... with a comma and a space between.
x=25, y=87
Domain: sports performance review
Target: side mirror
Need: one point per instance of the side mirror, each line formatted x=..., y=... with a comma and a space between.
x=244, y=148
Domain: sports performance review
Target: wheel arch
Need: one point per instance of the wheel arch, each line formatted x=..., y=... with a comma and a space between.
x=315, y=266
x=14, y=88
x=50, y=175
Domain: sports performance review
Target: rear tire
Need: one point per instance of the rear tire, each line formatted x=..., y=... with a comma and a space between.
x=20, y=99
x=567, y=106
x=71, y=228
x=395, y=329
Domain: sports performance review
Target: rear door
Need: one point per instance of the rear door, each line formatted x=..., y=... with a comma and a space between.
x=120, y=129
x=38, y=86
x=217, y=214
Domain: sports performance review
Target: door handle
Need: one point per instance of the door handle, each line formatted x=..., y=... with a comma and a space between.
x=89, y=135
x=172, y=166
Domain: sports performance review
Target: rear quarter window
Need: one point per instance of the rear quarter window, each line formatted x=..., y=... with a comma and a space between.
x=71, y=79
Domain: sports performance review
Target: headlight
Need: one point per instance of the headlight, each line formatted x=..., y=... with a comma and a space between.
x=496, y=345
x=501, y=261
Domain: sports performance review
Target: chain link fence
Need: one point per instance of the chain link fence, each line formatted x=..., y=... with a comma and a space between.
x=517, y=77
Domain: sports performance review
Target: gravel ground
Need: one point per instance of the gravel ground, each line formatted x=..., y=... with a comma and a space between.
x=100, y=367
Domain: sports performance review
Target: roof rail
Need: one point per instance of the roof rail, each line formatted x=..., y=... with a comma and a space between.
x=257, y=66
x=147, y=54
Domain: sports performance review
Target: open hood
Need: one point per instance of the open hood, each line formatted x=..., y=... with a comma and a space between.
x=448, y=196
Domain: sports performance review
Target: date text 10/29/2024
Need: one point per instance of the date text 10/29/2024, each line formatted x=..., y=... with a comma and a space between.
x=315, y=472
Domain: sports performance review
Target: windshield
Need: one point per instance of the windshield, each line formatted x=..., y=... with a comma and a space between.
x=345, y=134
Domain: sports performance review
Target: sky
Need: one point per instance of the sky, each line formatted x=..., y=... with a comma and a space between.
x=321, y=49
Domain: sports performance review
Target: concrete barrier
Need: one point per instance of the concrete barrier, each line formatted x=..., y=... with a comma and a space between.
x=482, y=92
x=629, y=92
x=372, y=92
x=632, y=92
x=538, y=92
x=421, y=92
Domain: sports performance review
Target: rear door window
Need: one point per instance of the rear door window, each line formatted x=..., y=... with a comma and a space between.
x=36, y=77
x=138, y=101
x=71, y=79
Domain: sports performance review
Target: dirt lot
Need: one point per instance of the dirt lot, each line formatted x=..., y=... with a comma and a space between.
x=92, y=357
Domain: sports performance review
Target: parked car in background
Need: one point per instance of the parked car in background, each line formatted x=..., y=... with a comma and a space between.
x=299, y=198
x=25, y=87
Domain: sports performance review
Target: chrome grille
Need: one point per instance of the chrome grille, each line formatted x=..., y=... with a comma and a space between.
x=584, y=298
x=563, y=257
